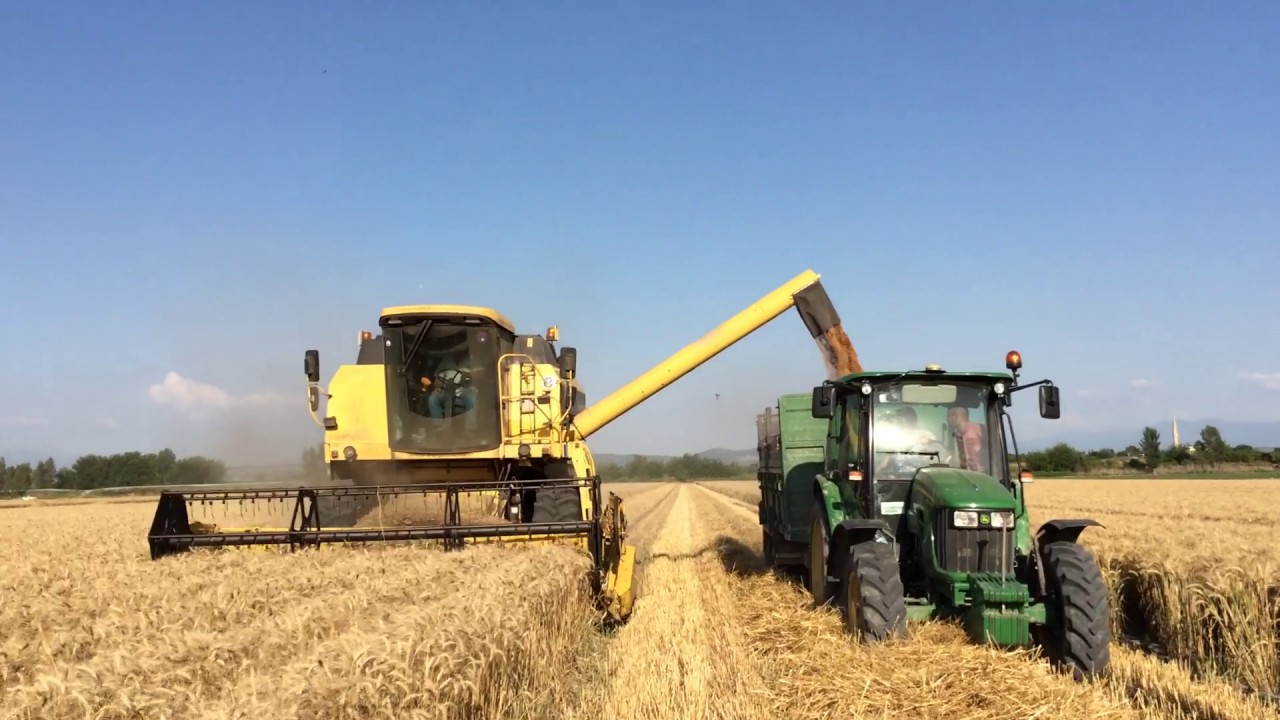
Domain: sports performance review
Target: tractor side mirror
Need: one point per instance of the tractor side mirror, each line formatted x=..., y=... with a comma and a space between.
x=568, y=363
x=1049, y=408
x=824, y=401
x=312, y=366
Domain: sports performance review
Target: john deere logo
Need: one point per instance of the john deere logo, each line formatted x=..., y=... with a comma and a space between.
x=984, y=519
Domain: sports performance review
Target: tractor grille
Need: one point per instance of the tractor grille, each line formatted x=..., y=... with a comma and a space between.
x=970, y=550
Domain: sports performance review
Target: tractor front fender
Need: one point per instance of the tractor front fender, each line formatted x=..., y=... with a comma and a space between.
x=1062, y=530
x=850, y=532
x=827, y=495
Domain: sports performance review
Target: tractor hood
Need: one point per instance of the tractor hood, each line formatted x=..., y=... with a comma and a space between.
x=955, y=488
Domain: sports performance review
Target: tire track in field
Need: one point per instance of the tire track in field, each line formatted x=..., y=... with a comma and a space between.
x=678, y=656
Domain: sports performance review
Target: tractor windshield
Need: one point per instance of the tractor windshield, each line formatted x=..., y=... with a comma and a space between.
x=926, y=422
x=442, y=385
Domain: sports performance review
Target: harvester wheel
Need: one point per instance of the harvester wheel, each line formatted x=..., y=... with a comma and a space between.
x=558, y=505
x=562, y=505
x=875, y=608
x=819, y=545
x=1081, y=642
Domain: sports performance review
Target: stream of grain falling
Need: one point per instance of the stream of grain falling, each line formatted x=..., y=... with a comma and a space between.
x=838, y=353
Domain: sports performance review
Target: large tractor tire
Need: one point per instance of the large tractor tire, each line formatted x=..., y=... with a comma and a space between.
x=1081, y=642
x=875, y=607
x=819, y=547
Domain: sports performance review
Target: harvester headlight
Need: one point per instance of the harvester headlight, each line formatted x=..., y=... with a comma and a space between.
x=999, y=388
x=866, y=388
x=1002, y=519
x=349, y=452
x=966, y=518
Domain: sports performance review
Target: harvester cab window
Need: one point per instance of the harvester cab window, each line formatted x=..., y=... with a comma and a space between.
x=442, y=385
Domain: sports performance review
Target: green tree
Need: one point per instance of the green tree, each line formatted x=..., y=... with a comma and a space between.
x=1150, y=446
x=1180, y=455
x=1244, y=454
x=21, y=477
x=165, y=462
x=1059, y=458
x=1213, y=448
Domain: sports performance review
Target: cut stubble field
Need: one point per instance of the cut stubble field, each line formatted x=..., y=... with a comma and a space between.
x=93, y=628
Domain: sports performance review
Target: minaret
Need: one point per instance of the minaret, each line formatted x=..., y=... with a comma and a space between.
x=1176, y=441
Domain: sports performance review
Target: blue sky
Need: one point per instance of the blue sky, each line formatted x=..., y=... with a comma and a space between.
x=210, y=189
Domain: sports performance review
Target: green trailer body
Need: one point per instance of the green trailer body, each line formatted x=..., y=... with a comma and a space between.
x=892, y=494
x=792, y=447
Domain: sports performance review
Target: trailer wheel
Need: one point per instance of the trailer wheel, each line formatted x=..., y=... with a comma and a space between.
x=819, y=545
x=1081, y=641
x=875, y=608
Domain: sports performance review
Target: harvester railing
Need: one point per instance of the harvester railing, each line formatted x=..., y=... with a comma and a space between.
x=172, y=531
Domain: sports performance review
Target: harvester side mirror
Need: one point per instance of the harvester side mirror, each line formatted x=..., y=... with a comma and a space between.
x=313, y=397
x=1049, y=408
x=568, y=362
x=824, y=401
x=312, y=366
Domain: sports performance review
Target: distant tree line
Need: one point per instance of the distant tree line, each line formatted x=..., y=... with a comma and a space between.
x=119, y=470
x=685, y=467
x=1210, y=452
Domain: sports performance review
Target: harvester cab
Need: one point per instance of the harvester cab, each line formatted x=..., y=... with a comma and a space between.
x=452, y=405
x=898, y=497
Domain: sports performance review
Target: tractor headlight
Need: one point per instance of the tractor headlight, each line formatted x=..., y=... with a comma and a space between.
x=966, y=518
x=1002, y=519
x=999, y=388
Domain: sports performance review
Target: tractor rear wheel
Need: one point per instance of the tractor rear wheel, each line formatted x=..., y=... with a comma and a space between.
x=1081, y=641
x=875, y=608
x=819, y=543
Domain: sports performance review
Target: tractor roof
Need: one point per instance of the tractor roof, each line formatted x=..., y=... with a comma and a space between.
x=451, y=310
x=883, y=375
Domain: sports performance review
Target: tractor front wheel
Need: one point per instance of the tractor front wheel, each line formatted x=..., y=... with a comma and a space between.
x=875, y=608
x=1081, y=640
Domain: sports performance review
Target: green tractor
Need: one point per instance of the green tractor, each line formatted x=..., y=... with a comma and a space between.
x=892, y=493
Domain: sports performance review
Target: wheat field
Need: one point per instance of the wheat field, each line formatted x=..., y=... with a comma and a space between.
x=92, y=628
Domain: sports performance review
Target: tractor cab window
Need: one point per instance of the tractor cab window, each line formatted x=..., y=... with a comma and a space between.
x=442, y=385
x=921, y=423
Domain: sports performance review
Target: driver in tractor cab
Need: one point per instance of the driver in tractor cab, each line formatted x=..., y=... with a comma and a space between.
x=905, y=445
x=969, y=438
x=452, y=376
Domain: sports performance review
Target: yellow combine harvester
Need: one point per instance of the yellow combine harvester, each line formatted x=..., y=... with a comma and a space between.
x=450, y=403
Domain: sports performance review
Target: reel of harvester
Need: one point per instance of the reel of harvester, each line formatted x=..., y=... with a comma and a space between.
x=307, y=517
